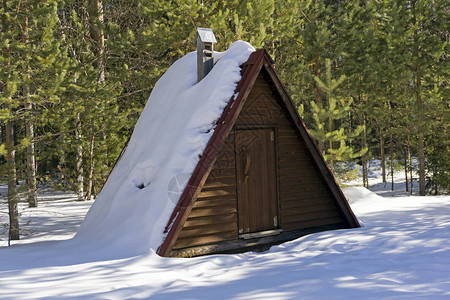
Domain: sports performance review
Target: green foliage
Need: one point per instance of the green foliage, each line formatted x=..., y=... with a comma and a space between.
x=346, y=172
x=360, y=72
x=330, y=121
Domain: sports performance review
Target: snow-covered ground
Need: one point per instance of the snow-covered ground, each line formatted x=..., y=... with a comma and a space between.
x=385, y=188
x=401, y=252
x=58, y=217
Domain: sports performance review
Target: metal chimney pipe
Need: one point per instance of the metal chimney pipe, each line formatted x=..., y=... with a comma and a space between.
x=204, y=41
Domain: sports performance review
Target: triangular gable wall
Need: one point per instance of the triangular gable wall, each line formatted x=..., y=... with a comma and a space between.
x=215, y=220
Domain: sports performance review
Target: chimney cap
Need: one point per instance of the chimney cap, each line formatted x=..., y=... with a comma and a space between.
x=206, y=35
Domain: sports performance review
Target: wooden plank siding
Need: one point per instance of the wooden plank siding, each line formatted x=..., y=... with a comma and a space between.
x=304, y=200
x=214, y=215
x=256, y=176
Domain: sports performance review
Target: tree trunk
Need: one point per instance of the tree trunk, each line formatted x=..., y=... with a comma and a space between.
x=91, y=168
x=95, y=9
x=419, y=103
x=330, y=129
x=364, y=157
x=79, y=189
x=10, y=155
x=420, y=145
x=383, y=158
x=406, y=172
x=436, y=192
x=364, y=172
x=331, y=159
x=391, y=156
x=106, y=166
x=410, y=168
x=31, y=162
x=29, y=131
x=318, y=100
x=391, y=148
x=12, y=178
x=96, y=20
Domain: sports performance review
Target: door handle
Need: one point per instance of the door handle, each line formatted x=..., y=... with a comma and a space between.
x=246, y=167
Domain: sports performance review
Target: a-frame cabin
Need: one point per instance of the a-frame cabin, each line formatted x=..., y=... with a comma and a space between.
x=260, y=180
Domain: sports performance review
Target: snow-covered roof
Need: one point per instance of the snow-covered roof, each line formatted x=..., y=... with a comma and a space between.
x=177, y=122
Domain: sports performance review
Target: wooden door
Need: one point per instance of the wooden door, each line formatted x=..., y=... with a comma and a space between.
x=256, y=180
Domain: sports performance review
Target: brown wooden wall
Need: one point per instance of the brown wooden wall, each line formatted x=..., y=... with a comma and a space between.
x=214, y=215
x=304, y=198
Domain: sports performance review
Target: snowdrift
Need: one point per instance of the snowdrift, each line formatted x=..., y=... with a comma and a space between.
x=141, y=192
x=355, y=194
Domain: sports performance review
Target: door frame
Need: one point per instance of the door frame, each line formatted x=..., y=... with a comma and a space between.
x=277, y=192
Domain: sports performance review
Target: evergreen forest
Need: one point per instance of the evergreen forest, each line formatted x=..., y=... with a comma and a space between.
x=370, y=79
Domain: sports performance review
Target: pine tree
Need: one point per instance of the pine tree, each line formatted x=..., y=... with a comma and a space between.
x=95, y=115
x=316, y=42
x=331, y=127
x=437, y=143
x=172, y=32
x=287, y=46
x=9, y=86
x=41, y=59
x=73, y=87
x=355, y=28
x=79, y=89
x=420, y=49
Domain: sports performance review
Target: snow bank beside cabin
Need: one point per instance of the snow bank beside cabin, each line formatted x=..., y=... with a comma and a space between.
x=135, y=204
x=358, y=194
